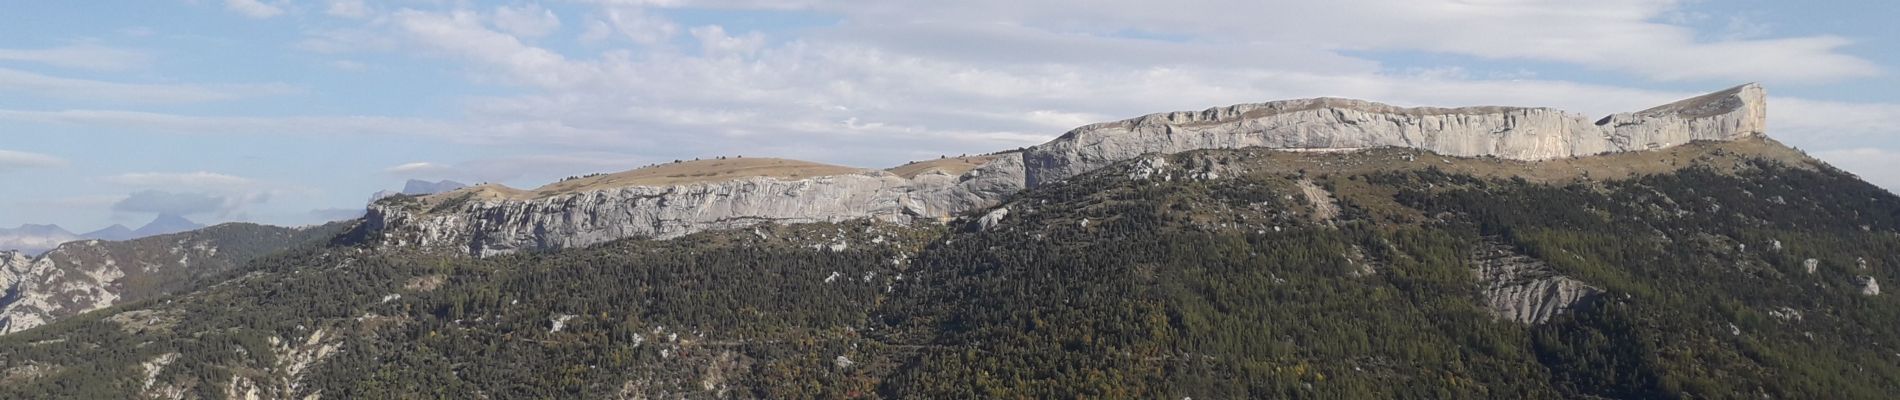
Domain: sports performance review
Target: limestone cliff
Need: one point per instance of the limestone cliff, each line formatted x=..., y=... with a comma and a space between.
x=684, y=197
x=490, y=220
x=1330, y=123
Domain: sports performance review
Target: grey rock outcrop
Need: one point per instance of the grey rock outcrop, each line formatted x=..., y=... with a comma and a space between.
x=1332, y=123
x=1524, y=289
x=13, y=267
x=74, y=278
x=994, y=217
x=491, y=225
x=486, y=227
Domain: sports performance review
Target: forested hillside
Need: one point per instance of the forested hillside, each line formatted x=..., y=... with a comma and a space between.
x=1715, y=270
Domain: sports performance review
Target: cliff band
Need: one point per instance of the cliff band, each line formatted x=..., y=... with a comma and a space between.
x=674, y=200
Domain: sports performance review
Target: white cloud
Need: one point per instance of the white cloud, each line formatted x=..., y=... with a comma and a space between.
x=82, y=89
x=82, y=201
x=414, y=168
x=253, y=8
x=224, y=196
x=181, y=180
x=713, y=40
x=219, y=206
x=528, y=21
x=1621, y=35
x=85, y=56
x=165, y=202
x=347, y=9
x=461, y=33
x=11, y=160
x=475, y=131
x=629, y=22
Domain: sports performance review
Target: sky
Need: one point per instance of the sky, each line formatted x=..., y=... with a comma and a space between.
x=294, y=112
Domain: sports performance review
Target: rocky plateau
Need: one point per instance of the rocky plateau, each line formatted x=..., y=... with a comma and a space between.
x=489, y=220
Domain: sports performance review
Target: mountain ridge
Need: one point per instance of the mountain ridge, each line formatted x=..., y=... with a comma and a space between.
x=1715, y=269
x=165, y=224
x=493, y=219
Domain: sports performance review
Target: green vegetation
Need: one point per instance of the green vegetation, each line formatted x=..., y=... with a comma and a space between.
x=1106, y=286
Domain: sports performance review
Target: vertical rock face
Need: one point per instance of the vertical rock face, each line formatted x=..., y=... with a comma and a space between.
x=1523, y=289
x=15, y=267
x=499, y=225
x=507, y=225
x=1329, y=123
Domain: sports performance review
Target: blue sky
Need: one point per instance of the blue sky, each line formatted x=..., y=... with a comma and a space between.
x=292, y=113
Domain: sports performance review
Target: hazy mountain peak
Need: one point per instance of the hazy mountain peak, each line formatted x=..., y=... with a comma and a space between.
x=40, y=229
x=166, y=223
x=33, y=238
x=114, y=232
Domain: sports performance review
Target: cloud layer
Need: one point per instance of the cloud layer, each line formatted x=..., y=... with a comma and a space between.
x=11, y=160
x=163, y=202
x=928, y=78
x=200, y=179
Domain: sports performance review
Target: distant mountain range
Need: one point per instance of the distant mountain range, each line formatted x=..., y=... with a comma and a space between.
x=35, y=239
x=114, y=232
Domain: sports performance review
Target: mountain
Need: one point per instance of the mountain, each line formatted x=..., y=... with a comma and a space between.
x=671, y=200
x=165, y=224
x=84, y=275
x=34, y=239
x=114, y=232
x=1732, y=268
x=1678, y=273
